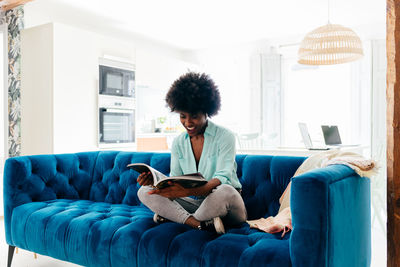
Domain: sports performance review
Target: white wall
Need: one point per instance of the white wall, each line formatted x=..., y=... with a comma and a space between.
x=76, y=58
x=78, y=44
x=229, y=70
x=36, y=90
x=235, y=72
x=67, y=84
x=231, y=66
x=155, y=74
x=59, y=87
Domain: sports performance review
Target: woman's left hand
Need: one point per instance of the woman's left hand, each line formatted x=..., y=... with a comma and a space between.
x=175, y=190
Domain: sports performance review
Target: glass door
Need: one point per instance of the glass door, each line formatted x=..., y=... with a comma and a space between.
x=117, y=125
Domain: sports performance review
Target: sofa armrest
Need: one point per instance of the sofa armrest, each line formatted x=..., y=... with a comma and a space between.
x=331, y=218
x=45, y=177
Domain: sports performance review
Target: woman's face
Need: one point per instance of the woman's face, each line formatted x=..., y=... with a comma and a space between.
x=193, y=123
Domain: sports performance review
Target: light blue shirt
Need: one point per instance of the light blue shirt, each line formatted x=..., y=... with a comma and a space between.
x=217, y=158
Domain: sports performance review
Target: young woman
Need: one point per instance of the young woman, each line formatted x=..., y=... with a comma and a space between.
x=206, y=148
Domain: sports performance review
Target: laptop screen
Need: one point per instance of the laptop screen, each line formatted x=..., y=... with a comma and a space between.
x=305, y=135
x=331, y=135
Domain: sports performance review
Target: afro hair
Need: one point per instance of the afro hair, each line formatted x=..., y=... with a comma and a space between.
x=193, y=93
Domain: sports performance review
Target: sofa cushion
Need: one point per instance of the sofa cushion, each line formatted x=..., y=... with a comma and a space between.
x=81, y=231
x=178, y=245
x=103, y=234
x=114, y=183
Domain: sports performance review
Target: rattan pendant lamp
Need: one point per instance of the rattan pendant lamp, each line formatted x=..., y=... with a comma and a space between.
x=330, y=44
x=10, y=4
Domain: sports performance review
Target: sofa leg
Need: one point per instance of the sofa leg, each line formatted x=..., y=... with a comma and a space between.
x=10, y=255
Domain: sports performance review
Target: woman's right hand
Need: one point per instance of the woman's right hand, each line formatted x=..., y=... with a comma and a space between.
x=145, y=178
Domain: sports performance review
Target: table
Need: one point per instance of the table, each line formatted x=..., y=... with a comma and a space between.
x=299, y=152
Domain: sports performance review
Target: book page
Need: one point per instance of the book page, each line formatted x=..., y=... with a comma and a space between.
x=141, y=167
x=157, y=176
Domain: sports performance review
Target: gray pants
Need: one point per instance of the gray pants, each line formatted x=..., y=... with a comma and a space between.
x=224, y=201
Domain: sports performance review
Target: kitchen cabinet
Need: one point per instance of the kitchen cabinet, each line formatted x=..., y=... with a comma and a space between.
x=59, y=87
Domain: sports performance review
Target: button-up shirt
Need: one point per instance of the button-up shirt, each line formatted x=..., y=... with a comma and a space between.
x=217, y=158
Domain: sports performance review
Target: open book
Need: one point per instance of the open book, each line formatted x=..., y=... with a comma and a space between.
x=161, y=181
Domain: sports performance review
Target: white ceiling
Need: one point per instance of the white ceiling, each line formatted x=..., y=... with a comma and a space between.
x=189, y=24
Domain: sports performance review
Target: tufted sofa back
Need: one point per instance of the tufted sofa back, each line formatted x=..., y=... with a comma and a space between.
x=103, y=177
x=113, y=182
x=263, y=179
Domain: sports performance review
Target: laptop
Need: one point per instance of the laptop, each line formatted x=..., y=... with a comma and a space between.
x=307, y=139
x=332, y=136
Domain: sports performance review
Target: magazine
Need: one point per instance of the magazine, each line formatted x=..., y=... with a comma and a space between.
x=161, y=181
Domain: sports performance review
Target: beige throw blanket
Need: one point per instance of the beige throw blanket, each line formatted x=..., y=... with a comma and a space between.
x=283, y=221
x=280, y=223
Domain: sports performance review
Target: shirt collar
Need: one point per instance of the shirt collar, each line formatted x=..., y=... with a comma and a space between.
x=210, y=129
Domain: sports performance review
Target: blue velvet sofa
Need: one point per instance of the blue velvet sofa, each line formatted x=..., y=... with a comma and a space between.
x=83, y=208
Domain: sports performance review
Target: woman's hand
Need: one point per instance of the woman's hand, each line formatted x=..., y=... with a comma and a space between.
x=174, y=190
x=145, y=178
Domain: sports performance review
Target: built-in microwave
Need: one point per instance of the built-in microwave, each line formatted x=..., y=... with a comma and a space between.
x=116, y=120
x=116, y=78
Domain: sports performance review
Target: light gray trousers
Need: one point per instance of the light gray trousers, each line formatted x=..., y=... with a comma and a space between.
x=224, y=201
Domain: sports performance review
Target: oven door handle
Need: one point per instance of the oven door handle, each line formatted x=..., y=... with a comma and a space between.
x=114, y=110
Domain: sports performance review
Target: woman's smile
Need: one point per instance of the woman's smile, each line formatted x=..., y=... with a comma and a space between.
x=194, y=123
x=190, y=129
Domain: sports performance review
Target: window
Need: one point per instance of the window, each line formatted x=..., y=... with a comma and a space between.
x=315, y=95
x=325, y=95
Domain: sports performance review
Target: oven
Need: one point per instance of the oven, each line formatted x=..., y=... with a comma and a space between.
x=116, y=120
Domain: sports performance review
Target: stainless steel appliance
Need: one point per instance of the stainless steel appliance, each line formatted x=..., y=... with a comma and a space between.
x=116, y=120
x=116, y=78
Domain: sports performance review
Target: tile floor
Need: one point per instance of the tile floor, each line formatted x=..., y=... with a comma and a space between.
x=378, y=246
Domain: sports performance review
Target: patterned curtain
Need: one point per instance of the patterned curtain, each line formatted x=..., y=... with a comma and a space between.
x=15, y=23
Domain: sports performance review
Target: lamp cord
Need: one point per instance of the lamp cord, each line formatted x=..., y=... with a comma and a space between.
x=328, y=13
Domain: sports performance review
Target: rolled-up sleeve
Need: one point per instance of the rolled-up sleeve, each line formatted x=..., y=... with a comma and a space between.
x=175, y=166
x=226, y=165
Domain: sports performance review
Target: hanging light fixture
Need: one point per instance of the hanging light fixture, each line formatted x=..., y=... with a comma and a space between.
x=10, y=4
x=330, y=44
